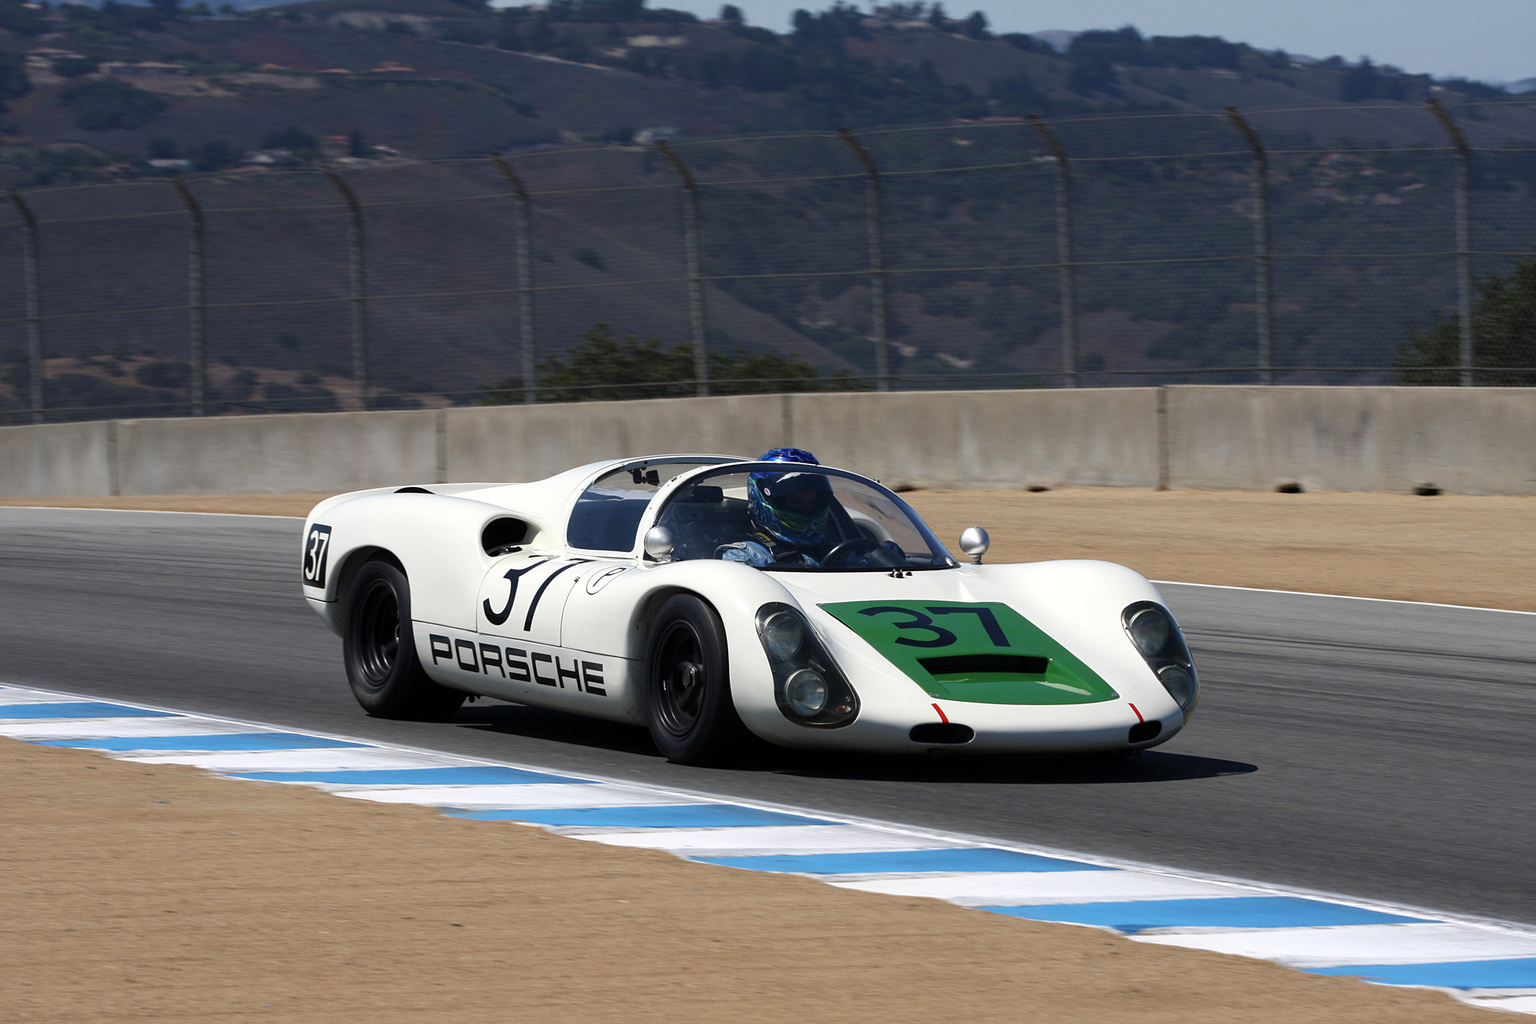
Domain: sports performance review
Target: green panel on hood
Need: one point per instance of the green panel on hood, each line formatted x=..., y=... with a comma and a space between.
x=982, y=651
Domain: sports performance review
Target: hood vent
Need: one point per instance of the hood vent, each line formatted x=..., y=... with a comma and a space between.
x=968, y=664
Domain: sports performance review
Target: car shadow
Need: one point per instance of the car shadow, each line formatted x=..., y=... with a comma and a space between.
x=945, y=767
x=555, y=726
x=1017, y=769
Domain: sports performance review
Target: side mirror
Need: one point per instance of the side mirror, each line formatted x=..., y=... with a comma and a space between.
x=659, y=543
x=974, y=542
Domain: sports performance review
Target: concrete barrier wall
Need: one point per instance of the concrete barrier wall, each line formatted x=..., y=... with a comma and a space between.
x=1460, y=440
x=1472, y=441
x=58, y=459
x=529, y=442
x=1003, y=439
x=301, y=452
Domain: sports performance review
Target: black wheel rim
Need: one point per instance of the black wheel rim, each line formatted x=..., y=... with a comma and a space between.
x=378, y=632
x=681, y=679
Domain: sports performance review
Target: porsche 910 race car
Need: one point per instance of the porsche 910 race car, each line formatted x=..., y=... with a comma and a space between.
x=704, y=596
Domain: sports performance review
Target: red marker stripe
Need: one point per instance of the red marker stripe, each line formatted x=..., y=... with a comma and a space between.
x=942, y=716
x=1138, y=713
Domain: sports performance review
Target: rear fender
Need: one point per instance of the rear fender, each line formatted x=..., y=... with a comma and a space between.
x=436, y=540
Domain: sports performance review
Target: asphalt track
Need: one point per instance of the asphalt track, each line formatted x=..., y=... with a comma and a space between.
x=1374, y=749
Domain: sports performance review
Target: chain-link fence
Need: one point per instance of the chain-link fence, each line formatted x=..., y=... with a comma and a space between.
x=1291, y=246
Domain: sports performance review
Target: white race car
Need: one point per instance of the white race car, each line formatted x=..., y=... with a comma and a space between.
x=704, y=595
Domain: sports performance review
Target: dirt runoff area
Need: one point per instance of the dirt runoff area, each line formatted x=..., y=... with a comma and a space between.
x=1451, y=549
x=138, y=892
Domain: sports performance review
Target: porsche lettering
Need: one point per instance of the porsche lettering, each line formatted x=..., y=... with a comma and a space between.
x=520, y=665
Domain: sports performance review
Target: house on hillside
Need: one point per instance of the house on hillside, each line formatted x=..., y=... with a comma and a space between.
x=141, y=69
x=43, y=57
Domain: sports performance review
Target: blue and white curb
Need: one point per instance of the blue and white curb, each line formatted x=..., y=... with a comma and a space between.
x=1484, y=963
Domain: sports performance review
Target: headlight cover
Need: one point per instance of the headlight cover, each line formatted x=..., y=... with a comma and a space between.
x=1158, y=639
x=807, y=685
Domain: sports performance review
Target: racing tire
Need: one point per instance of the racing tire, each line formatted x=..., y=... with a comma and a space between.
x=380, y=655
x=687, y=689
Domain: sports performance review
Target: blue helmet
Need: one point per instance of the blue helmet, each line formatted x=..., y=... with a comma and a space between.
x=792, y=506
x=790, y=455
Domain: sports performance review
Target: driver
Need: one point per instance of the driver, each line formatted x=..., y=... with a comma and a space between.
x=791, y=513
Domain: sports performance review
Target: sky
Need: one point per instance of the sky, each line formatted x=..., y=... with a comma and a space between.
x=1489, y=40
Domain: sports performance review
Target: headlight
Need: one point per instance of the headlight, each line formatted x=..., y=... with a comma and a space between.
x=782, y=634
x=806, y=693
x=1157, y=639
x=1149, y=630
x=807, y=685
x=1179, y=683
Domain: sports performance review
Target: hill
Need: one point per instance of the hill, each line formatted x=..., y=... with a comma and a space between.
x=408, y=96
x=452, y=78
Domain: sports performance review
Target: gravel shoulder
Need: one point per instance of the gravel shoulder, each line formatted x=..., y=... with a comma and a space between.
x=138, y=893
x=1450, y=549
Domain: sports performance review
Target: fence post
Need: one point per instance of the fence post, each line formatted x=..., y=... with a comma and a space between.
x=1265, y=298
x=197, y=307
x=876, y=260
x=1463, y=237
x=1069, y=345
x=521, y=246
x=359, y=288
x=34, y=305
x=695, y=271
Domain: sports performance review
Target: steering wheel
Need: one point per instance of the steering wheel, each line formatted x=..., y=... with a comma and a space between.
x=858, y=545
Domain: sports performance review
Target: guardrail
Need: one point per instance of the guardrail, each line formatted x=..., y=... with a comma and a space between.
x=1403, y=439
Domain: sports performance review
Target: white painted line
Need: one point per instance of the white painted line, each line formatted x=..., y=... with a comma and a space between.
x=38, y=730
x=19, y=696
x=332, y=759
x=757, y=840
x=1357, y=944
x=1514, y=1004
x=148, y=511
x=1342, y=597
x=532, y=796
x=1020, y=888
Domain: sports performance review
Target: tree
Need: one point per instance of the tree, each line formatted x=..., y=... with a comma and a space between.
x=23, y=21
x=107, y=104
x=1503, y=335
x=1359, y=82
x=13, y=79
x=294, y=139
x=731, y=14
x=976, y=26
x=75, y=67
x=606, y=367
x=214, y=156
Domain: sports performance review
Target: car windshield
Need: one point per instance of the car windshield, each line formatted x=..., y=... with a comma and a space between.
x=792, y=517
x=609, y=511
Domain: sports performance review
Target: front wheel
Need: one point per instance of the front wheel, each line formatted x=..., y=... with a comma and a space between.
x=386, y=676
x=687, y=684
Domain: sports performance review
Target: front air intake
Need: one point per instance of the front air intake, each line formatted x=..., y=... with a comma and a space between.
x=970, y=664
x=1143, y=731
x=942, y=732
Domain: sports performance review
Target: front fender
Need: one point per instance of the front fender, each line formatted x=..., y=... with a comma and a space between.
x=608, y=595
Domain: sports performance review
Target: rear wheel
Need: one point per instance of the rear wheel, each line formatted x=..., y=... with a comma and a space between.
x=687, y=685
x=386, y=676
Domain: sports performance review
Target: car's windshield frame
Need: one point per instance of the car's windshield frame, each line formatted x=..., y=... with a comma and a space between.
x=942, y=558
